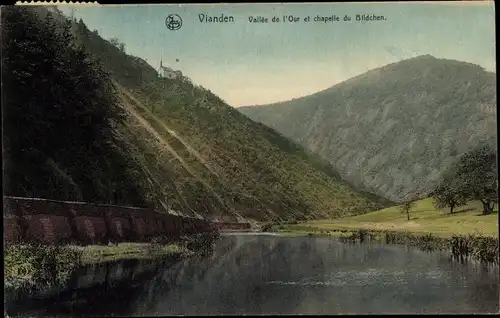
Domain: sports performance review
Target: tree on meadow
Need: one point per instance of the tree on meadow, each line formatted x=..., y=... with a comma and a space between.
x=476, y=177
x=447, y=192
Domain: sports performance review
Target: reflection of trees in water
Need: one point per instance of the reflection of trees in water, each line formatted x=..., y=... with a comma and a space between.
x=481, y=280
x=94, y=289
x=236, y=279
x=235, y=274
x=238, y=276
x=245, y=271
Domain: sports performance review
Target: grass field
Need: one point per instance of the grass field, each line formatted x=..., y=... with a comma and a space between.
x=424, y=218
x=103, y=253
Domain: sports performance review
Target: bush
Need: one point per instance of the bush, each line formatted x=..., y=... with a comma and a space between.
x=270, y=227
x=161, y=240
x=202, y=243
x=40, y=266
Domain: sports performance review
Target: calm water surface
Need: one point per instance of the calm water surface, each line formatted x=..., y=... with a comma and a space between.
x=262, y=274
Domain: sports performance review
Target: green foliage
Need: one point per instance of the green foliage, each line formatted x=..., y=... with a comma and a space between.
x=269, y=227
x=202, y=243
x=473, y=177
x=60, y=110
x=241, y=167
x=360, y=235
x=118, y=44
x=447, y=192
x=158, y=247
x=39, y=266
x=479, y=247
x=476, y=174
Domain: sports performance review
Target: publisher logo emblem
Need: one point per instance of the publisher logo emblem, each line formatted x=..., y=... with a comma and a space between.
x=173, y=22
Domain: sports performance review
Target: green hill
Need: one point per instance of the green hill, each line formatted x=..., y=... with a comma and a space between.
x=85, y=121
x=393, y=130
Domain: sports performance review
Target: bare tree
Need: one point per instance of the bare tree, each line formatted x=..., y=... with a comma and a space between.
x=406, y=205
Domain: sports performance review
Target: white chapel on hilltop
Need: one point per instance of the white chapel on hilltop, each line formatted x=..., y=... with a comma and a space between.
x=167, y=72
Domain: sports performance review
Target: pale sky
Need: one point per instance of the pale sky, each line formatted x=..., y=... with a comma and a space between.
x=258, y=63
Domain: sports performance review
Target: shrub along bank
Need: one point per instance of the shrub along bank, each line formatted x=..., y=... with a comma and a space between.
x=40, y=267
x=465, y=233
x=482, y=248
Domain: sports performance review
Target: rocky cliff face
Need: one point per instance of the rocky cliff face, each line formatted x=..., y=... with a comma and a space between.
x=393, y=130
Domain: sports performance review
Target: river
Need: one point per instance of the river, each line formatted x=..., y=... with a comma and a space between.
x=266, y=274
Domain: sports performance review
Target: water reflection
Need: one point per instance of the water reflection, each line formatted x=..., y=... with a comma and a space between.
x=276, y=275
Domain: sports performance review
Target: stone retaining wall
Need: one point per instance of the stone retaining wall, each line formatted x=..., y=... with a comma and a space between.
x=53, y=222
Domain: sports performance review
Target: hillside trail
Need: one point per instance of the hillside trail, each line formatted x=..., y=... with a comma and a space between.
x=165, y=145
x=174, y=134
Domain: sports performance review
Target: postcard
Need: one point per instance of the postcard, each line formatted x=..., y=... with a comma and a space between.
x=250, y=159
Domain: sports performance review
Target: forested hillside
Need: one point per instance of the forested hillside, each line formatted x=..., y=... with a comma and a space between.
x=393, y=130
x=85, y=121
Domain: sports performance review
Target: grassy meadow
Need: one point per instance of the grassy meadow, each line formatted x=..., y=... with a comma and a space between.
x=103, y=253
x=424, y=219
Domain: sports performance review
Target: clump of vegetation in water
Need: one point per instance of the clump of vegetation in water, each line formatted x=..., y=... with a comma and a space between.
x=360, y=235
x=478, y=247
x=482, y=248
x=426, y=242
x=202, y=243
x=38, y=266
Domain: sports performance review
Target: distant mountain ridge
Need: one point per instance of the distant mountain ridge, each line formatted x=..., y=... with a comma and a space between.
x=394, y=129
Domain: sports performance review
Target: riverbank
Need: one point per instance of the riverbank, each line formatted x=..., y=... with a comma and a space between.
x=104, y=253
x=42, y=266
x=464, y=233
